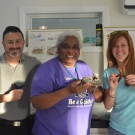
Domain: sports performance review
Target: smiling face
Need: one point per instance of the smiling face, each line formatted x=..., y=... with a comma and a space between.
x=13, y=44
x=120, y=50
x=69, y=51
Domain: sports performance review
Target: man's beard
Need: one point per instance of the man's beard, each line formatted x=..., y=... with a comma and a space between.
x=14, y=54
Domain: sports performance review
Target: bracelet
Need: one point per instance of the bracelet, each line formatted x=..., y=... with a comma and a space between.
x=110, y=96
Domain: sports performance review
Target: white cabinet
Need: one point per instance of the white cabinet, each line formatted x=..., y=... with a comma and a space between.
x=91, y=48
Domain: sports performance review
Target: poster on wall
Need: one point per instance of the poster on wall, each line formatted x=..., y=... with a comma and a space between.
x=41, y=43
x=106, y=34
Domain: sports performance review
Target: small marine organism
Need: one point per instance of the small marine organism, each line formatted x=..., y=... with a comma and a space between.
x=93, y=80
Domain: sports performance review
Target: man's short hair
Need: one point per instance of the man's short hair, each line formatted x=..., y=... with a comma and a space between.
x=11, y=29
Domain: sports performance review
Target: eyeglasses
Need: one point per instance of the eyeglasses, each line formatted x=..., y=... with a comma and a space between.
x=116, y=32
x=121, y=32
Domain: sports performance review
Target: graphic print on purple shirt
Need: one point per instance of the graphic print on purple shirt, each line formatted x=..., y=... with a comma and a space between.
x=69, y=116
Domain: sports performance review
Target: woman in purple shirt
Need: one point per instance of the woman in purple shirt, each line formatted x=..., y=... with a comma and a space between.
x=64, y=107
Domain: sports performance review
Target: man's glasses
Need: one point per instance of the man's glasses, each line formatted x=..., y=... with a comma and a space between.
x=121, y=32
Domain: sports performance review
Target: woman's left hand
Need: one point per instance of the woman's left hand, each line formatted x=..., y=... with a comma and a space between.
x=130, y=79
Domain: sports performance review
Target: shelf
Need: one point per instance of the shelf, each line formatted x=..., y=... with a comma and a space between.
x=92, y=48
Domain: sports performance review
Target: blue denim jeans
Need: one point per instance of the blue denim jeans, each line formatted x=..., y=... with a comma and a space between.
x=112, y=131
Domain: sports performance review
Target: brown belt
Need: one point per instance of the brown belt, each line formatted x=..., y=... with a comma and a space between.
x=14, y=123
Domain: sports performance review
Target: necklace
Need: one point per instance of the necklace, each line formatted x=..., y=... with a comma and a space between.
x=83, y=94
x=76, y=70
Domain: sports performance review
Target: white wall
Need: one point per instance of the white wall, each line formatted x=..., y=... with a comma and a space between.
x=9, y=11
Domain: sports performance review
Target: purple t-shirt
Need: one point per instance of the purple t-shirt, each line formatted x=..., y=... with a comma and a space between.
x=70, y=116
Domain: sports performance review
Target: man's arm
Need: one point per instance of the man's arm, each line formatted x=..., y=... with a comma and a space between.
x=2, y=98
x=13, y=95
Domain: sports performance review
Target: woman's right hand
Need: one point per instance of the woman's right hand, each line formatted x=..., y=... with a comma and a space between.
x=75, y=87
